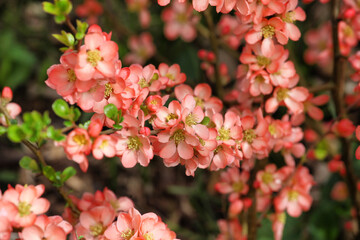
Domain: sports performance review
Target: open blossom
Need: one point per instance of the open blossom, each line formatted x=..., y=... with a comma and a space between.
x=94, y=222
x=54, y=228
x=233, y=182
x=269, y=180
x=230, y=229
x=96, y=59
x=142, y=48
x=180, y=21
x=292, y=98
x=77, y=146
x=292, y=14
x=202, y=96
x=133, y=225
x=28, y=203
x=132, y=146
x=226, y=28
x=104, y=145
x=266, y=30
x=171, y=75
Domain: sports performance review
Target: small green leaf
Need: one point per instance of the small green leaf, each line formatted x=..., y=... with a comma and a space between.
x=15, y=133
x=50, y=8
x=29, y=164
x=117, y=126
x=76, y=114
x=49, y=173
x=67, y=173
x=60, y=19
x=54, y=134
x=111, y=111
x=65, y=38
x=68, y=123
x=46, y=118
x=61, y=108
x=205, y=121
x=81, y=28
x=64, y=6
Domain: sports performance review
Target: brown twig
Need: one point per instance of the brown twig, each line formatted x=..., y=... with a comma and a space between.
x=338, y=93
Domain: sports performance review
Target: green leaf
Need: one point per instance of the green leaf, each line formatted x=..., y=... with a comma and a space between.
x=76, y=113
x=50, y=8
x=117, y=126
x=15, y=133
x=68, y=123
x=81, y=28
x=111, y=112
x=60, y=19
x=49, y=173
x=67, y=173
x=205, y=121
x=29, y=164
x=64, y=6
x=2, y=130
x=65, y=38
x=54, y=134
x=61, y=108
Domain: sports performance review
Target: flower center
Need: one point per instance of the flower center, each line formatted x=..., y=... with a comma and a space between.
x=127, y=234
x=289, y=17
x=191, y=119
x=143, y=83
x=199, y=102
x=282, y=94
x=170, y=76
x=259, y=79
x=293, y=195
x=249, y=135
x=104, y=144
x=262, y=61
x=178, y=136
x=149, y=236
x=80, y=139
x=224, y=134
x=217, y=149
x=93, y=56
x=108, y=90
x=181, y=18
x=71, y=75
x=134, y=143
x=348, y=31
x=97, y=229
x=24, y=209
x=272, y=130
x=268, y=31
x=267, y=178
x=238, y=186
x=171, y=116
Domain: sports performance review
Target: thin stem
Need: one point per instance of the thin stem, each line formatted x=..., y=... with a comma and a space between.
x=70, y=25
x=338, y=95
x=322, y=87
x=215, y=49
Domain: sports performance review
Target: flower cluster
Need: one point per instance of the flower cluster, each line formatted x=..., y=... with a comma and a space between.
x=104, y=216
x=23, y=208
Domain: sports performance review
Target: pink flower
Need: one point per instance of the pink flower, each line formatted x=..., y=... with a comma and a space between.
x=142, y=49
x=234, y=183
x=77, y=146
x=132, y=146
x=344, y=128
x=293, y=99
x=52, y=228
x=292, y=14
x=267, y=29
x=168, y=117
x=230, y=229
x=269, y=180
x=96, y=59
x=94, y=222
x=13, y=109
x=28, y=202
x=171, y=75
x=126, y=226
x=294, y=200
x=180, y=21
x=176, y=143
x=278, y=224
x=104, y=145
x=202, y=94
